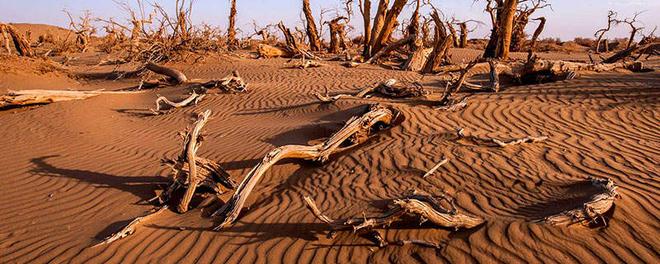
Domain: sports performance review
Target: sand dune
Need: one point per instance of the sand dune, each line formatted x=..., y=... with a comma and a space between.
x=74, y=172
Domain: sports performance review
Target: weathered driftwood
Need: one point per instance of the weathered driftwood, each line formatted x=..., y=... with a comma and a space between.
x=304, y=63
x=494, y=142
x=34, y=97
x=432, y=170
x=232, y=83
x=425, y=207
x=592, y=211
x=131, y=227
x=192, y=175
x=390, y=88
x=417, y=60
x=268, y=51
x=356, y=131
x=194, y=98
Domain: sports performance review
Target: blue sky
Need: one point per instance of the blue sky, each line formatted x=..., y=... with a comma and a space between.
x=566, y=19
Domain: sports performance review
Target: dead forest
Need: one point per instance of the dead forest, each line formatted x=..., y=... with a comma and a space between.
x=152, y=37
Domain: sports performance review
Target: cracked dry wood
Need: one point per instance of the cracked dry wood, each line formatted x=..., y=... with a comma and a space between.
x=356, y=131
x=425, y=207
x=389, y=88
x=232, y=83
x=33, y=97
x=591, y=211
x=131, y=227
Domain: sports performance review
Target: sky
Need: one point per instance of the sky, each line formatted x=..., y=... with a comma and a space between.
x=566, y=19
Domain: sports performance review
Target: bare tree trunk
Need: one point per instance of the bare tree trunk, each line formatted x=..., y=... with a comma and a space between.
x=365, y=9
x=506, y=27
x=379, y=21
x=388, y=25
x=337, y=35
x=231, y=30
x=464, y=34
x=441, y=45
x=312, y=33
x=453, y=34
x=518, y=33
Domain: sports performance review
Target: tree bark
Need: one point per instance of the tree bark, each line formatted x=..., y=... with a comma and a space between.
x=231, y=30
x=504, y=42
x=312, y=33
x=366, y=18
x=22, y=45
x=464, y=35
x=388, y=25
x=379, y=20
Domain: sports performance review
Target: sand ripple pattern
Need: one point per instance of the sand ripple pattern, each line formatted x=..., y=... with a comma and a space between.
x=74, y=172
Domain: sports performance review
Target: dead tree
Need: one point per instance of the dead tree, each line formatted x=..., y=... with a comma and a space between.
x=591, y=212
x=20, y=43
x=356, y=131
x=520, y=22
x=38, y=97
x=502, y=13
x=631, y=22
x=83, y=29
x=365, y=10
x=389, y=23
x=535, y=37
x=611, y=18
x=312, y=32
x=441, y=45
x=231, y=29
x=337, y=34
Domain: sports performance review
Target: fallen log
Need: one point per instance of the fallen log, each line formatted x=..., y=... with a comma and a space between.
x=194, y=98
x=356, y=131
x=591, y=211
x=268, y=51
x=192, y=175
x=630, y=50
x=177, y=76
x=131, y=227
x=303, y=63
x=232, y=83
x=35, y=97
x=425, y=207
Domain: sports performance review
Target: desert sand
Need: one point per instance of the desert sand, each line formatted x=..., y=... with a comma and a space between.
x=75, y=172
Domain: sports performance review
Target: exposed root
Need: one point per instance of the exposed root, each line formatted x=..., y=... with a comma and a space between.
x=356, y=131
x=425, y=207
x=131, y=227
x=192, y=175
x=194, y=98
x=591, y=212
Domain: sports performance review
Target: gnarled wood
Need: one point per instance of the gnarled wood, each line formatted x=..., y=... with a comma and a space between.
x=131, y=227
x=34, y=97
x=356, y=131
x=591, y=211
x=175, y=74
x=20, y=43
x=194, y=98
x=191, y=175
x=425, y=207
